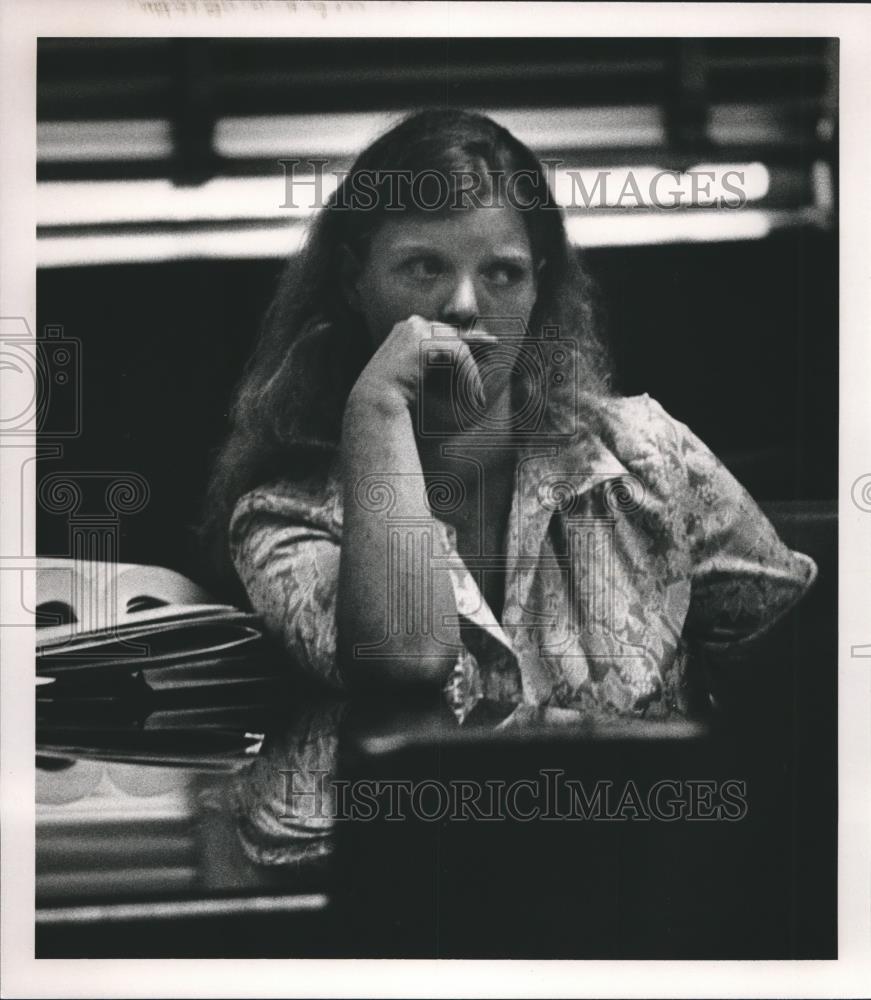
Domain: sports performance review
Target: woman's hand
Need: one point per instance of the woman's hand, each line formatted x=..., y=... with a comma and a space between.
x=413, y=352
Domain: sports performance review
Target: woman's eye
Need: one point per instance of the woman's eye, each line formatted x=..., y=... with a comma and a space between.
x=503, y=275
x=423, y=268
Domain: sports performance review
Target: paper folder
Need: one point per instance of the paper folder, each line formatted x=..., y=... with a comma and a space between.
x=155, y=672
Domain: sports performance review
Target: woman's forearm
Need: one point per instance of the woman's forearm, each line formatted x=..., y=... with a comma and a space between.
x=384, y=574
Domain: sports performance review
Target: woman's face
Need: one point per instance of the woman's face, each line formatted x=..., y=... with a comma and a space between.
x=473, y=268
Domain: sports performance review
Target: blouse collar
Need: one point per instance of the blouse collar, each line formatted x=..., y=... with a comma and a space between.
x=549, y=479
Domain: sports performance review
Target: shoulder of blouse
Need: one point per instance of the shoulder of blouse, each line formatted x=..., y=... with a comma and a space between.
x=636, y=426
x=635, y=434
x=314, y=502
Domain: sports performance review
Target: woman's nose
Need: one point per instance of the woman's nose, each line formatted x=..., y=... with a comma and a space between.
x=461, y=309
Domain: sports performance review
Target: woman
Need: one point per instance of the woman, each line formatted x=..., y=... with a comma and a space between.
x=429, y=482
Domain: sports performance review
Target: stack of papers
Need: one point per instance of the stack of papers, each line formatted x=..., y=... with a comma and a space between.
x=137, y=665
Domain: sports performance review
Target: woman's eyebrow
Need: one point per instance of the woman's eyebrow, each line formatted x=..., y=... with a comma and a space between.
x=416, y=248
x=503, y=253
x=510, y=253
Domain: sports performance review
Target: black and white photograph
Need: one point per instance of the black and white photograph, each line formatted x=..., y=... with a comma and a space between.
x=426, y=452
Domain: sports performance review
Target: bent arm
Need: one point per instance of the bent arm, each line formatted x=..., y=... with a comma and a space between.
x=389, y=600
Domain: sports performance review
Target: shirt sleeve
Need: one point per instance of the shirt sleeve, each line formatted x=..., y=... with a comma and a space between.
x=288, y=561
x=286, y=548
x=743, y=578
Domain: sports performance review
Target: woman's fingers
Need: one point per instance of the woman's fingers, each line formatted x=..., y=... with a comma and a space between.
x=455, y=351
x=467, y=369
x=429, y=347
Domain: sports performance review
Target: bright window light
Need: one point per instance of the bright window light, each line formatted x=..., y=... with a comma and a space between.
x=76, y=251
x=625, y=229
x=66, y=203
x=131, y=139
x=585, y=229
x=342, y=136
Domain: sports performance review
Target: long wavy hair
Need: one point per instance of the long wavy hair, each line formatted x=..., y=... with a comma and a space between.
x=287, y=414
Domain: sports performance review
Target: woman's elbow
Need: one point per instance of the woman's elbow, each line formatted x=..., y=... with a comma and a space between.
x=395, y=673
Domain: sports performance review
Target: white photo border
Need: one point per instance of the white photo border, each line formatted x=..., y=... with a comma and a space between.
x=21, y=23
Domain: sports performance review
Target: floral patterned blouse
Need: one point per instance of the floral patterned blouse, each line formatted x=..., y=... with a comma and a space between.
x=627, y=543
